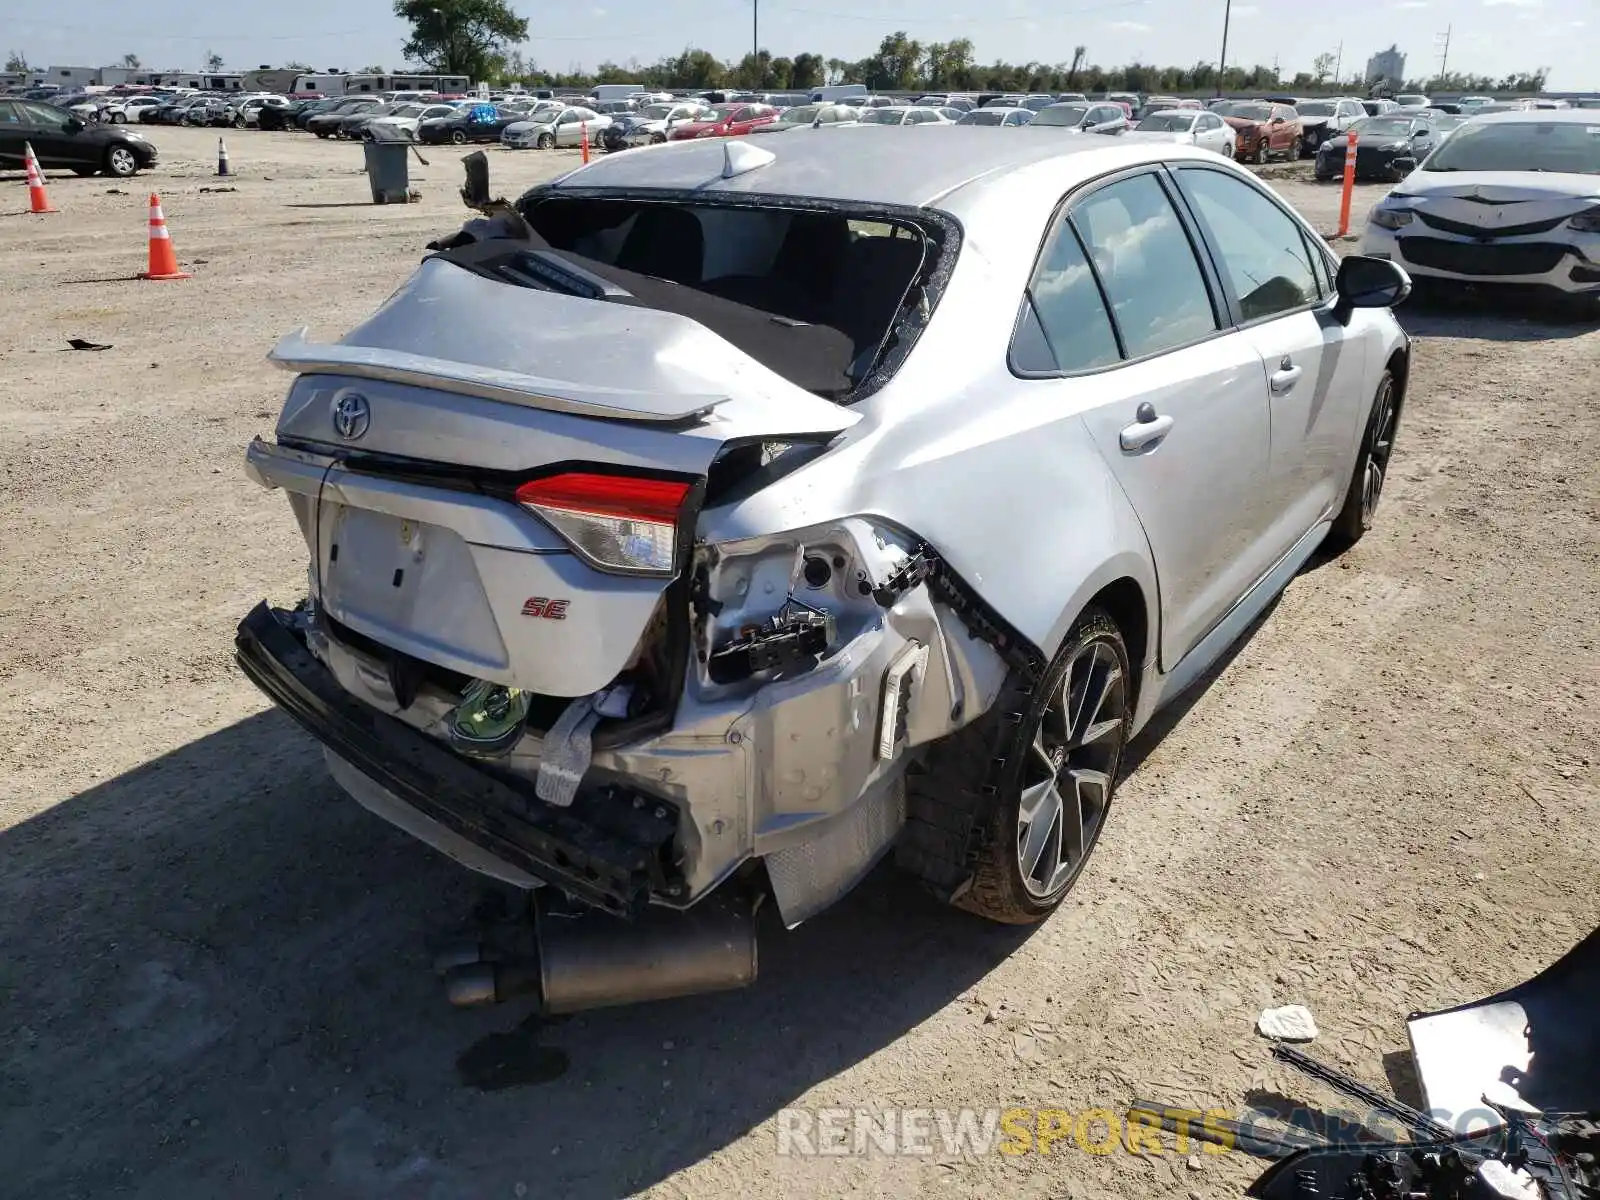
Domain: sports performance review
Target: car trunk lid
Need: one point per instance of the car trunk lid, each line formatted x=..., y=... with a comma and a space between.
x=403, y=445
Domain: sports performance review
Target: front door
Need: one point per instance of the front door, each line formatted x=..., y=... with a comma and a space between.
x=1315, y=375
x=46, y=129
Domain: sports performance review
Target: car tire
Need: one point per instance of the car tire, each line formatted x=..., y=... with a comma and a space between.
x=119, y=118
x=547, y=141
x=321, y=133
x=658, y=139
x=1371, y=469
x=1003, y=772
x=120, y=162
x=458, y=137
x=238, y=122
x=1260, y=157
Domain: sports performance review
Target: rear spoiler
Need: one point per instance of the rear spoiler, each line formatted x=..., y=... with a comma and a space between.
x=298, y=353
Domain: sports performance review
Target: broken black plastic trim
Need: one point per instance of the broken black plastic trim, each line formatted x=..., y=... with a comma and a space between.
x=610, y=849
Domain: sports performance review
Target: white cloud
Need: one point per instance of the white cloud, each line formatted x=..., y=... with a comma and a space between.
x=1245, y=10
x=1412, y=4
x=1129, y=26
x=1513, y=3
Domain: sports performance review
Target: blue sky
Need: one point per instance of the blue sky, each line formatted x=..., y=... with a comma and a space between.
x=1489, y=36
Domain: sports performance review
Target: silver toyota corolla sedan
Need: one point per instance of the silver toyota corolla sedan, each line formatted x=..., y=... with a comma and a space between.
x=725, y=516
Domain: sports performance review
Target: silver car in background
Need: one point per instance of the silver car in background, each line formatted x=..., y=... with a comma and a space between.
x=726, y=517
x=1185, y=127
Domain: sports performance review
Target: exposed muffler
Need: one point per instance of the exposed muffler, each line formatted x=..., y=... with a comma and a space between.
x=572, y=963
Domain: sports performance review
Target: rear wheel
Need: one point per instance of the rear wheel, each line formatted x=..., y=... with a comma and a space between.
x=1050, y=751
x=1371, y=470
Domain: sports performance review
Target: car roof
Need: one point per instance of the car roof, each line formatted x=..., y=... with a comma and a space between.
x=835, y=166
x=1539, y=116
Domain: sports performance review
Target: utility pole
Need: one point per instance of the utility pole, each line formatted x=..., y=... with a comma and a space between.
x=1337, y=64
x=1444, y=55
x=1222, y=66
x=755, y=29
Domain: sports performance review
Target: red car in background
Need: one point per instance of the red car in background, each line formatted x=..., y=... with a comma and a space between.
x=1261, y=129
x=726, y=120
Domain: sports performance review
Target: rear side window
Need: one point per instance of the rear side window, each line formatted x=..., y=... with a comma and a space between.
x=1261, y=249
x=1069, y=312
x=1147, y=266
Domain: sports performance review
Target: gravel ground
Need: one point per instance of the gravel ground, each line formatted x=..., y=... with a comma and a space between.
x=216, y=971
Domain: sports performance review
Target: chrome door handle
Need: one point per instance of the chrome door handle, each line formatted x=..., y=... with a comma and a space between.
x=1284, y=378
x=1144, y=433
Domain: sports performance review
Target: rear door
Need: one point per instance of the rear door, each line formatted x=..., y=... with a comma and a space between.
x=46, y=128
x=1315, y=376
x=12, y=135
x=1126, y=325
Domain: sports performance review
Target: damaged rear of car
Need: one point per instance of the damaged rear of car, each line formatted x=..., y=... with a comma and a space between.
x=520, y=642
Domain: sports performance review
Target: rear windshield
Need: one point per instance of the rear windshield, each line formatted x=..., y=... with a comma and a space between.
x=1566, y=146
x=1247, y=112
x=1315, y=108
x=1165, y=123
x=1059, y=114
x=983, y=116
x=817, y=296
x=1392, y=127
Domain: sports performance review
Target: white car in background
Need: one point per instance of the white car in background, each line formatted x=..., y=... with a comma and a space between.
x=910, y=115
x=651, y=124
x=405, y=119
x=120, y=112
x=555, y=127
x=1511, y=198
x=1186, y=128
x=247, y=112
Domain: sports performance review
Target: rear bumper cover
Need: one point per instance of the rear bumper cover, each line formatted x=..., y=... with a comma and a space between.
x=606, y=850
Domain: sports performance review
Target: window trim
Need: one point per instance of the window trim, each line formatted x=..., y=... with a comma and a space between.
x=1308, y=238
x=1221, y=312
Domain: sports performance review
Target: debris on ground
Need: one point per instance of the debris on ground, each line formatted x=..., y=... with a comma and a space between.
x=1291, y=1023
x=80, y=344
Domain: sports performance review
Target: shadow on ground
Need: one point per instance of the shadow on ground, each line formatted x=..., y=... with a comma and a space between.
x=1493, y=316
x=217, y=982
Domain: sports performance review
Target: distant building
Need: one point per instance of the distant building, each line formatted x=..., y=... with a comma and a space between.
x=1387, y=67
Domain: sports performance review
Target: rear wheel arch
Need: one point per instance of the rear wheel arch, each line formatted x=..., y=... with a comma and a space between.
x=1125, y=602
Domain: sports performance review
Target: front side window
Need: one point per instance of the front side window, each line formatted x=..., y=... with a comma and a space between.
x=46, y=117
x=1146, y=264
x=1261, y=248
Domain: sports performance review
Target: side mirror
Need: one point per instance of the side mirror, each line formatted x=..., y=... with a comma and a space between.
x=74, y=124
x=1421, y=133
x=1365, y=282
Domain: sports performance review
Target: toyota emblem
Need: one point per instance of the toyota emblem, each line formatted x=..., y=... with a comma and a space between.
x=351, y=416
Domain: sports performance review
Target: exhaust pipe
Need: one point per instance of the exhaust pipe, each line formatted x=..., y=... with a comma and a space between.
x=597, y=961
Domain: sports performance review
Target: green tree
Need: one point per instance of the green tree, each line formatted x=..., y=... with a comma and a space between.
x=296, y=66
x=949, y=65
x=808, y=72
x=17, y=63
x=373, y=71
x=838, y=69
x=460, y=37
x=131, y=61
x=1321, y=67
x=213, y=61
x=897, y=66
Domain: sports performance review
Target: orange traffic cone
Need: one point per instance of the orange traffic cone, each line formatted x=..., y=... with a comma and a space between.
x=163, y=258
x=38, y=198
x=583, y=136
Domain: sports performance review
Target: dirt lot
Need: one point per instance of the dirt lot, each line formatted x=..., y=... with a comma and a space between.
x=215, y=976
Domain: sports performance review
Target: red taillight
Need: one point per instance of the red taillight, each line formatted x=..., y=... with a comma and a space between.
x=617, y=522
